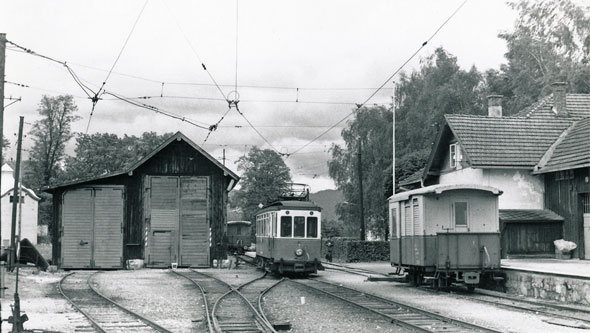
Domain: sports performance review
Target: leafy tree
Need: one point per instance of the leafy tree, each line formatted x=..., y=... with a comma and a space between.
x=5, y=146
x=50, y=135
x=550, y=43
x=423, y=98
x=264, y=177
x=103, y=153
x=371, y=126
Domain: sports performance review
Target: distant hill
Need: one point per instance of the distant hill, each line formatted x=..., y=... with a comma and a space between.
x=327, y=199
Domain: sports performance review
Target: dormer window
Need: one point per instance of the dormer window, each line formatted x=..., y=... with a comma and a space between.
x=454, y=155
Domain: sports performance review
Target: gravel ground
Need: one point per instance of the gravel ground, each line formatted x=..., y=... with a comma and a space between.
x=309, y=311
x=41, y=301
x=482, y=314
x=159, y=295
x=235, y=276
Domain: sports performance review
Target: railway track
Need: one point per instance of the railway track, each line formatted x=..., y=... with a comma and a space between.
x=352, y=270
x=227, y=308
x=401, y=314
x=577, y=316
x=104, y=314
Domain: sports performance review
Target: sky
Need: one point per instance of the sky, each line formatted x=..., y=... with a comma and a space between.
x=298, y=67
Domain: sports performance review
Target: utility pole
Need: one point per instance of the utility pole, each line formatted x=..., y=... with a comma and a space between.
x=2, y=62
x=361, y=207
x=393, y=141
x=16, y=196
x=223, y=156
x=16, y=319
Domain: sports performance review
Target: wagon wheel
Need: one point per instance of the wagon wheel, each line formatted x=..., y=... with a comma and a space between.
x=443, y=282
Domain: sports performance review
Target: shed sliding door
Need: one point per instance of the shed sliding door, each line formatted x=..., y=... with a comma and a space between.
x=179, y=227
x=92, y=227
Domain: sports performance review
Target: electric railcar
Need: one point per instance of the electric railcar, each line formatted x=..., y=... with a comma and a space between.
x=446, y=234
x=239, y=236
x=288, y=237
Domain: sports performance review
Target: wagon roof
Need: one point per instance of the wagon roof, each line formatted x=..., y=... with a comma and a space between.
x=178, y=136
x=239, y=222
x=438, y=189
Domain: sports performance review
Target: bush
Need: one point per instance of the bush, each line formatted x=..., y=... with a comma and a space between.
x=354, y=250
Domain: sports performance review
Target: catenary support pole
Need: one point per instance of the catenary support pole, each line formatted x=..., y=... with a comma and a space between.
x=361, y=206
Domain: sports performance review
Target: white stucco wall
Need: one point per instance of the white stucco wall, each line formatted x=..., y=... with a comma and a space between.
x=29, y=210
x=28, y=221
x=521, y=189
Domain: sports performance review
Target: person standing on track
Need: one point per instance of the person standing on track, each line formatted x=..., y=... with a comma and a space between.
x=329, y=245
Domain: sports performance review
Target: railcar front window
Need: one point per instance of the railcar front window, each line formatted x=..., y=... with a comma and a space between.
x=286, y=223
x=312, y=227
x=299, y=226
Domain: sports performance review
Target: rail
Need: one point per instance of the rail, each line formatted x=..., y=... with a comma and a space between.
x=401, y=314
x=89, y=302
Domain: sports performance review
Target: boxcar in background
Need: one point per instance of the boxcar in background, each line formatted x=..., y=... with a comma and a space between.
x=239, y=236
x=168, y=208
x=446, y=233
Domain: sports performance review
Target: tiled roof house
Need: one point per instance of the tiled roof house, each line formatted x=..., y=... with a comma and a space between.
x=523, y=155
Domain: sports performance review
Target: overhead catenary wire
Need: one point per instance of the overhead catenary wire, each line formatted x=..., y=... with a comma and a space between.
x=97, y=95
x=195, y=52
x=257, y=131
x=386, y=81
x=157, y=110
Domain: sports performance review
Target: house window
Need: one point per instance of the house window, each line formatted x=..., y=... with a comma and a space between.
x=22, y=199
x=460, y=213
x=454, y=155
x=586, y=203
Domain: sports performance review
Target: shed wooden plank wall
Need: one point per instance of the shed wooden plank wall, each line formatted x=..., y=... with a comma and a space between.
x=563, y=196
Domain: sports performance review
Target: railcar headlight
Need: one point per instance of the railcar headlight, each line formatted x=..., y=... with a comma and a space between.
x=299, y=252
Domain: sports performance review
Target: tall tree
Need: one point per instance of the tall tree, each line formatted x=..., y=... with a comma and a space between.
x=264, y=177
x=372, y=126
x=550, y=42
x=103, y=153
x=50, y=135
x=423, y=97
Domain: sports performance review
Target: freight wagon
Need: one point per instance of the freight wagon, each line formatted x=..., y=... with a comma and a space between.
x=446, y=234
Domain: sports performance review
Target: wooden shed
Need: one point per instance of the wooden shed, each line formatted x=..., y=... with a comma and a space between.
x=169, y=207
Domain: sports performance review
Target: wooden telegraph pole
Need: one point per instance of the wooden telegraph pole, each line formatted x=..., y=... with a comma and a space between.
x=2, y=63
x=16, y=196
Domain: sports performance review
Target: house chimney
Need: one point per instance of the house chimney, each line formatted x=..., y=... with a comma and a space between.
x=495, y=106
x=559, y=104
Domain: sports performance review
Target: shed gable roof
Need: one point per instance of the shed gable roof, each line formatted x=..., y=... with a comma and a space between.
x=177, y=136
